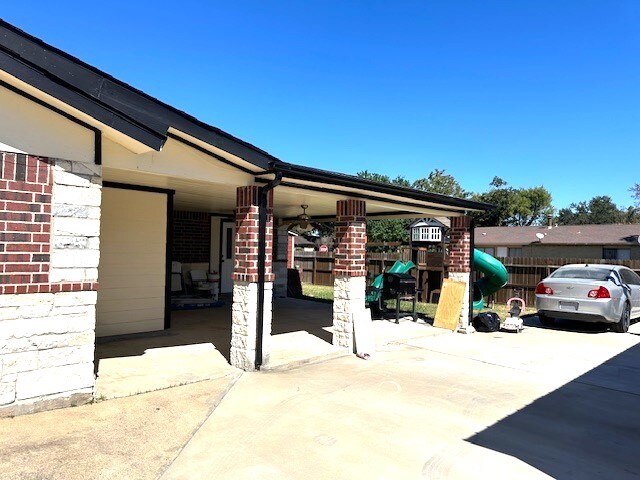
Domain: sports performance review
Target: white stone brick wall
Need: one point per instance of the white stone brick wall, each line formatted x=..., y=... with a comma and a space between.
x=75, y=244
x=46, y=350
x=348, y=301
x=464, y=324
x=244, y=323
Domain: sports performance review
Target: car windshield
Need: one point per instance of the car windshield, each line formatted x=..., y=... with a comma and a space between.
x=599, y=274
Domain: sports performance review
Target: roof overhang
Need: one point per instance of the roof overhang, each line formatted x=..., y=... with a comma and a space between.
x=383, y=200
x=108, y=100
x=143, y=124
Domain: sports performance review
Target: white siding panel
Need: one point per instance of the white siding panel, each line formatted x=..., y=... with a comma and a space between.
x=56, y=136
x=132, y=262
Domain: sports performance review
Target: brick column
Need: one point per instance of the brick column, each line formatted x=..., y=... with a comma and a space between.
x=460, y=264
x=291, y=249
x=349, y=269
x=245, y=280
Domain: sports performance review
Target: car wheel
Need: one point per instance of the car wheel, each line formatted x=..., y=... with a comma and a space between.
x=545, y=320
x=625, y=320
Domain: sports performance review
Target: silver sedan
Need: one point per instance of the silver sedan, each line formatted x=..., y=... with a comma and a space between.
x=590, y=293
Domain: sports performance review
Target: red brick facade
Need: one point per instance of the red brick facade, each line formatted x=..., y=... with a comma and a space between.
x=26, y=184
x=460, y=245
x=191, y=237
x=291, y=251
x=246, y=251
x=351, y=238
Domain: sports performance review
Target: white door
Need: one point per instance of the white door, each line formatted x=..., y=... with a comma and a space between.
x=227, y=248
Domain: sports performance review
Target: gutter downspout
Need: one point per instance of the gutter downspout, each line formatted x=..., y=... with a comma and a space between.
x=262, y=252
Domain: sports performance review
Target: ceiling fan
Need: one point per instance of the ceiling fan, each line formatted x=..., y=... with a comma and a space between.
x=303, y=223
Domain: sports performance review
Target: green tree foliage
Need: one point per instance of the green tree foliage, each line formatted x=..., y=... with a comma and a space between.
x=514, y=206
x=632, y=215
x=377, y=177
x=387, y=230
x=635, y=193
x=440, y=182
x=598, y=210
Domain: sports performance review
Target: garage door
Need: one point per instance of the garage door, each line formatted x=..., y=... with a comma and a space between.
x=132, y=271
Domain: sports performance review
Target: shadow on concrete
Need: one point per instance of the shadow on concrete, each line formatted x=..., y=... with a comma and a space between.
x=587, y=429
x=213, y=325
x=532, y=320
x=388, y=314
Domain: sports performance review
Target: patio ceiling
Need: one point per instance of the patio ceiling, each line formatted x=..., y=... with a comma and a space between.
x=221, y=198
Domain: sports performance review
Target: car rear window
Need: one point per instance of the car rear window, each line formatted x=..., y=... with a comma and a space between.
x=599, y=274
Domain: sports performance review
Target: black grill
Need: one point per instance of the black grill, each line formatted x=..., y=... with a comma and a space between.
x=398, y=284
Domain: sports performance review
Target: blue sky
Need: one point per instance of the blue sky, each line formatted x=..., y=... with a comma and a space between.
x=536, y=92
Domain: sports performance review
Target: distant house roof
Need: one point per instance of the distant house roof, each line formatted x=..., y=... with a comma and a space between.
x=560, y=235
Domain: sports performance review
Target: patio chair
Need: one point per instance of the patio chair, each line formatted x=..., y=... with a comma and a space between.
x=202, y=284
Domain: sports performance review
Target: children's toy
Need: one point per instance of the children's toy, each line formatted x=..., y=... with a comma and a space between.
x=513, y=323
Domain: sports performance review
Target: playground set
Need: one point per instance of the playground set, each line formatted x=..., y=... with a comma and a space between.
x=404, y=287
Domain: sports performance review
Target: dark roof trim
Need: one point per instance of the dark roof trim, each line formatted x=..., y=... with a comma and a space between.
x=139, y=188
x=365, y=196
x=329, y=218
x=40, y=80
x=108, y=99
x=299, y=172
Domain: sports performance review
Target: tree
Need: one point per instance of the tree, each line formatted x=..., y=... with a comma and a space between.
x=603, y=210
x=632, y=215
x=575, y=214
x=532, y=207
x=442, y=183
x=635, y=193
x=378, y=177
x=514, y=206
x=387, y=230
x=599, y=210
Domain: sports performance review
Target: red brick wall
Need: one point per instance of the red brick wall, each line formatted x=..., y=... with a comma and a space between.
x=291, y=256
x=26, y=184
x=246, y=252
x=191, y=237
x=351, y=238
x=460, y=245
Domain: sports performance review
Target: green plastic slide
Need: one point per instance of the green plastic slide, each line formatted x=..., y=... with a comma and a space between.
x=495, y=277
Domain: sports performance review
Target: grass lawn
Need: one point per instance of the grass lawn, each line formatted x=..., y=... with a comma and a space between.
x=428, y=309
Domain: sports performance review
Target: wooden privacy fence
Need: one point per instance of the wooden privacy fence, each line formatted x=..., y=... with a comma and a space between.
x=524, y=272
x=317, y=267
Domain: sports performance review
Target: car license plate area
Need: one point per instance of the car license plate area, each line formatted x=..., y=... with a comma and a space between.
x=568, y=305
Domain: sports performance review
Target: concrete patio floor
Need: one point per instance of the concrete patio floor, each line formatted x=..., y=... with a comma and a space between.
x=545, y=403
x=197, y=345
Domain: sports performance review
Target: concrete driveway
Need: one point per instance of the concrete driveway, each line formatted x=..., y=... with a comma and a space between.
x=559, y=403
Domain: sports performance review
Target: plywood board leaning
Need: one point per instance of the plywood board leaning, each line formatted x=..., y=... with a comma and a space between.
x=363, y=332
x=450, y=304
